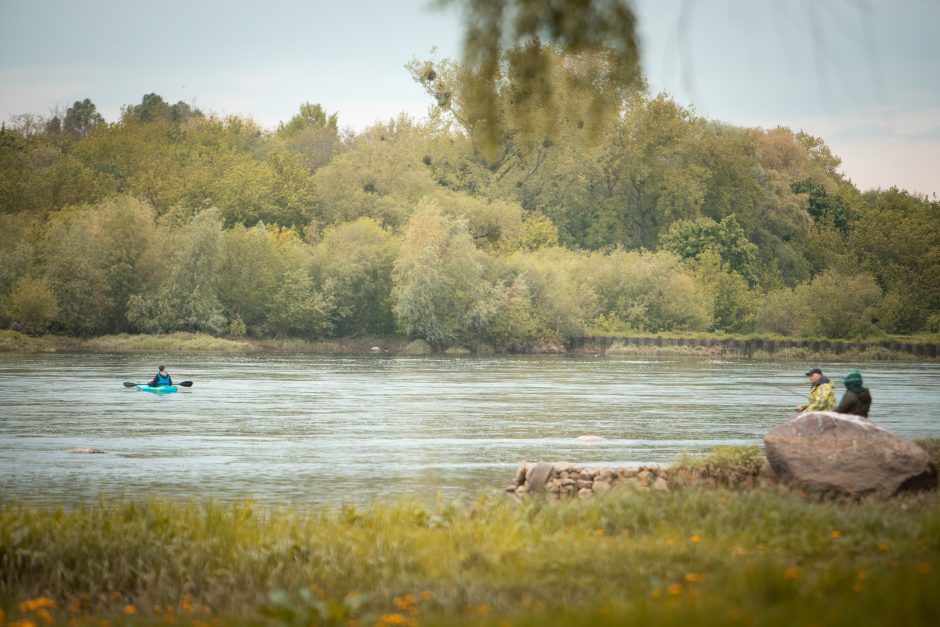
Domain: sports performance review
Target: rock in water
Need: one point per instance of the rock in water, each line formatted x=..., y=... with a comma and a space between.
x=84, y=450
x=842, y=454
x=591, y=438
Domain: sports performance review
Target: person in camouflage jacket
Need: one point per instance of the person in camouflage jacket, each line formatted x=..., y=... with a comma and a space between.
x=822, y=396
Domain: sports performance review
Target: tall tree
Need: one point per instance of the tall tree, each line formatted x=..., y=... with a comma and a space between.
x=689, y=239
x=81, y=118
x=438, y=278
x=356, y=259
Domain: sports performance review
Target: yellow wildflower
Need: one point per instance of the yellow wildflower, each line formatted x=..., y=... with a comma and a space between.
x=923, y=568
x=395, y=619
x=130, y=610
x=405, y=602
x=694, y=577
x=696, y=538
x=674, y=589
x=31, y=605
x=792, y=573
x=884, y=546
x=836, y=535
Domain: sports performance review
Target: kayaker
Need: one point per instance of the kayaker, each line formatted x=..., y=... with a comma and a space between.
x=162, y=378
x=821, y=396
x=857, y=399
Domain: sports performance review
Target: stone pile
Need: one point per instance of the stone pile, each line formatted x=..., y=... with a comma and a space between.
x=566, y=479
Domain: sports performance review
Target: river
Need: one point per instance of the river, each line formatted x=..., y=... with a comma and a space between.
x=305, y=429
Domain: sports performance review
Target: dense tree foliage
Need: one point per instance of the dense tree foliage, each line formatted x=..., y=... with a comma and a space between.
x=647, y=218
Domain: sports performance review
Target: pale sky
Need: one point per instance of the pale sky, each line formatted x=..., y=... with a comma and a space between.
x=860, y=74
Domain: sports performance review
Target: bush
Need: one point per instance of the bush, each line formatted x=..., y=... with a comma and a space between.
x=32, y=304
x=837, y=305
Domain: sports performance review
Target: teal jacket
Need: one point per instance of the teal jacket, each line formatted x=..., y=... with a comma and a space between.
x=159, y=380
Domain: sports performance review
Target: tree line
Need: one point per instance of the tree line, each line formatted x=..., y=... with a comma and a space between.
x=625, y=213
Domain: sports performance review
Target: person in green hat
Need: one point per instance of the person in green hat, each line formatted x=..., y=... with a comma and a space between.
x=857, y=399
x=821, y=396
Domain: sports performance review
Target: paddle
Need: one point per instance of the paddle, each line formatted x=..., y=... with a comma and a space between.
x=184, y=384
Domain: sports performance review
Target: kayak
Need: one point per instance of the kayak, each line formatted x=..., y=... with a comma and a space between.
x=160, y=389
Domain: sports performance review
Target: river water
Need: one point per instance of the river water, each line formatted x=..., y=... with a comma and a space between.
x=302, y=429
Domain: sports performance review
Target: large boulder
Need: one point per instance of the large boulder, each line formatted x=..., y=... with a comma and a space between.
x=842, y=454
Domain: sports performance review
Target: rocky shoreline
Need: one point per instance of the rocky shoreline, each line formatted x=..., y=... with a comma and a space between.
x=567, y=479
x=822, y=453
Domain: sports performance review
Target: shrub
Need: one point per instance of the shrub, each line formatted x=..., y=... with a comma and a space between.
x=32, y=304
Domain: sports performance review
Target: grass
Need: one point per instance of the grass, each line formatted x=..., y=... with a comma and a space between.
x=919, y=338
x=728, y=466
x=693, y=556
x=932, y=446
x=793, y=353
x=11, y=341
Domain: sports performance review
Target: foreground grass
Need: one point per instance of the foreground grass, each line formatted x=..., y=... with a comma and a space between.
x=693, y=556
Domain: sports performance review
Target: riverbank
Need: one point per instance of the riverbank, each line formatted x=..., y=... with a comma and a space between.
x=13, y=342
x=895, y=349
x=693, y=555
x=718, y=346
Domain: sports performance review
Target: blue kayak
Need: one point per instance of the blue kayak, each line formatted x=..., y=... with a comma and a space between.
x=160, y=389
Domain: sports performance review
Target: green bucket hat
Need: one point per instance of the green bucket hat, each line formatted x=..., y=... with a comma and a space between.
x=853, y=380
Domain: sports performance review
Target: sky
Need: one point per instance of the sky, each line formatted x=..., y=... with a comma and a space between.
x=860, y=74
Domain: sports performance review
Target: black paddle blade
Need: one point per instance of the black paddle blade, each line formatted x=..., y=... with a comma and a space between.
x=128, y=384
x=185, y=384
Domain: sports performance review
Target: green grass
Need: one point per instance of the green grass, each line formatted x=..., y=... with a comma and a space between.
x=693, y=556
x=728, y=466
x=11, y=341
